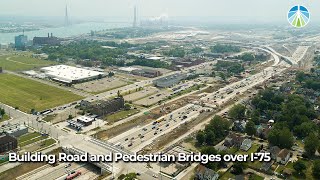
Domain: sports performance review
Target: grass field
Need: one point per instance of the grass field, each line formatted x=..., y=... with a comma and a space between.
x=4, y=118
x=22, y=63
x=28, y=136
x=49, y=118
x=120, y=115
x=27, y=94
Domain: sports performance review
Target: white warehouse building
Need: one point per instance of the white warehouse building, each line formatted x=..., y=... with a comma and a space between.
x=70, y=74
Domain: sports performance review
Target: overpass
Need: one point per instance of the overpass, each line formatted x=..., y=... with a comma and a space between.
x=285, y=58
x=110, y=146
x=75, y=151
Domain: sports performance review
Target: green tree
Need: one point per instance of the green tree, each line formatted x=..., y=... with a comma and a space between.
x=299, y=166
x=255, y=117
x=127, y=106
x=210, y=138
x=247, y=57
x=70, y=117
x=130, y=176
x=251, y=128
x=200, y=137
x=196, y=50
x=238, y=168
x=316, y=169
x=300, y=76
x=305, y=129
x=281, y=137
x=2, y=112
x=210, y=150
x=237, y=112
x=222, y=76
x=32, y=111
x=119, y=94
x=221, y=48
x=311, y=144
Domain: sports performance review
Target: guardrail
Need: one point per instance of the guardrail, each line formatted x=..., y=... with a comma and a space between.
x=110, y=146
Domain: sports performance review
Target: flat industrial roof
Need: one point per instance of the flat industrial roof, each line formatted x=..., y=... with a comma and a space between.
x=128, y=69
x=69, y=73
x=85, y=119
x=155, y=58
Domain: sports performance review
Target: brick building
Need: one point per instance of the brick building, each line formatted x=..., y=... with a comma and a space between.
x=102, y=108
x=7, y=143
x=147, y=73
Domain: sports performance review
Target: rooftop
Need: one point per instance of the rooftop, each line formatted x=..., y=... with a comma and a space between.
x=85, y=119
x=69, y=73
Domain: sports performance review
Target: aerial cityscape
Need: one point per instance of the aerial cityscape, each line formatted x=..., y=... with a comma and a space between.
x=164, y=90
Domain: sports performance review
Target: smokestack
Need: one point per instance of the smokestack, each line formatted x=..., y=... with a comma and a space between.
x=48, y=35
x=51, y=35
x=135, y=17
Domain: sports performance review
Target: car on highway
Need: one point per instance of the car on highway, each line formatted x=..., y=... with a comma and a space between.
x=68, y=165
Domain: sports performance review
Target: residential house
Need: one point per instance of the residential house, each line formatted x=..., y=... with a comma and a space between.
x=283, y=156
x=228, y=142
x=233, y=140
x=265, y=132
x=239, y=126
x=237, y=141
x=246, y=145
x=266, y=166
x=274, y=151
x=203, y=173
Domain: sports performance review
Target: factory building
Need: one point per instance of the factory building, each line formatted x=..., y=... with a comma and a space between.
x=169, y=81
x=70, y=74
x=50, y=40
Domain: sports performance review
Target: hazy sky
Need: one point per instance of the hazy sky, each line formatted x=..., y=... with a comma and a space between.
x=274, y=10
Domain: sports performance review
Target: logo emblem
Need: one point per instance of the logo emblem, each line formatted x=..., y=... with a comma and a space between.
x=298, y=16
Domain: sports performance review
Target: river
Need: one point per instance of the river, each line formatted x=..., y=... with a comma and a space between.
x=62, y=32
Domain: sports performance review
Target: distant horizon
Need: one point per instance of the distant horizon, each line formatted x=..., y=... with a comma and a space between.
x=190, y=19
x=228, y=10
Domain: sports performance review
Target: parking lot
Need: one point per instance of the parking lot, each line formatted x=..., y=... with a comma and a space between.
x=101, y=85
x=147, y=91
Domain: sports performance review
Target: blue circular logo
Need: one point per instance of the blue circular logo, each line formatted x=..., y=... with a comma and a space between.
x=298, y=16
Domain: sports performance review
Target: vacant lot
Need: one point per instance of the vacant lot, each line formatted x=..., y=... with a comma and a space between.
x=27, y=94
x=22, y=63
